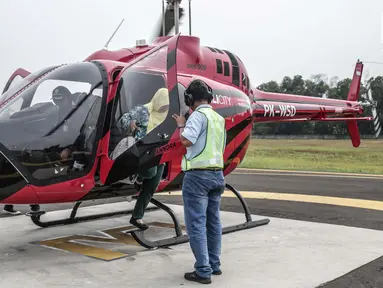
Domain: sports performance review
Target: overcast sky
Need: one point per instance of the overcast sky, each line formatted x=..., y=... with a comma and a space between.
x=274, y=38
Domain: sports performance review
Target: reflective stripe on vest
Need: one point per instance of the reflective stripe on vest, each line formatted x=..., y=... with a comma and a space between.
x=212, y=155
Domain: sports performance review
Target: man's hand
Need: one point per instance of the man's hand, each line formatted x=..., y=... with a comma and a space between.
x=181, y=121
x=133, y=125
x=64, y=154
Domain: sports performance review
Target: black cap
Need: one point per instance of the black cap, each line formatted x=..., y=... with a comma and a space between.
x=60, y=92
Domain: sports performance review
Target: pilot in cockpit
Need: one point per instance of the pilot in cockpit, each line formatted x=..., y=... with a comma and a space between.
x=82, y=124
x=62, y=98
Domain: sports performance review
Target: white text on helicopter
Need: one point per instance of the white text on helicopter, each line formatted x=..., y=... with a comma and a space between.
x=220, y=99
x=284, y=110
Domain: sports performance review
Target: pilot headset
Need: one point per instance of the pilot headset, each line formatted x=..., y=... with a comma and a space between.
x=188, y=94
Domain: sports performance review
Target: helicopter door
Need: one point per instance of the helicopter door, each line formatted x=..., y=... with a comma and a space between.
x=142, y=125
x=15, y=79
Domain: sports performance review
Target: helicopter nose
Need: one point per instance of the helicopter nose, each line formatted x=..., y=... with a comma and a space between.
x=11, y=181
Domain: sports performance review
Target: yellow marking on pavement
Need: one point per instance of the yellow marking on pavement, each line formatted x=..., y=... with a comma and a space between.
x=337, y=201
x=309, y=172
x=71, y=244
x=307, y=175
x=86, y=245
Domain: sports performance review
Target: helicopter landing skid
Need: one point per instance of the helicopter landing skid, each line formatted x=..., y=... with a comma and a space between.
x=35, y=216
x=181, y=238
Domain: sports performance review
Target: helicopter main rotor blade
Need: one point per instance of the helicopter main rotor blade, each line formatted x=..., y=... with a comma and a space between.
x=169, y=21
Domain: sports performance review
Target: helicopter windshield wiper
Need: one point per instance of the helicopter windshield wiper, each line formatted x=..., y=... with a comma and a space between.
x=54, y=129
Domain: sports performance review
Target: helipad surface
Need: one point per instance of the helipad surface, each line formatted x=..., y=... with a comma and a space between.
x=284, y=253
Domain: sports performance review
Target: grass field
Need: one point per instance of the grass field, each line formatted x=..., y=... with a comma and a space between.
x=315, y=155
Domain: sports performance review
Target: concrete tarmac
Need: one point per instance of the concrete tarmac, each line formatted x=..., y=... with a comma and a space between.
x=306, y=244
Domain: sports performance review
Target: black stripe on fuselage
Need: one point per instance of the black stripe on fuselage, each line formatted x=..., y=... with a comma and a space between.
x=234, y=131
x=230, y=111
x=237, y=151
x=219, y=51
x=171, y=60
x=110, y=110
x=211, y=49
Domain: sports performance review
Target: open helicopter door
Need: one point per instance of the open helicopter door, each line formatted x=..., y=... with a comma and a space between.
x=141, y=118
x=15, y=78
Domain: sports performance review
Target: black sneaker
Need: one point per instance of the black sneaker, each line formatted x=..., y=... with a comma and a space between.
x=193, y=276
x=218, y=272
x=10, y=210
x=35, y=208
x=140, y=226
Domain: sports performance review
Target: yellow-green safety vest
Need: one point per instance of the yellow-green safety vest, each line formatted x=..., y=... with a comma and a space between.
x=212, y=154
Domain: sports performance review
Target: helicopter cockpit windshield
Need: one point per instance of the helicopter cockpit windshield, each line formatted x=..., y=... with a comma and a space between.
x=19, y=82
x=48, y=124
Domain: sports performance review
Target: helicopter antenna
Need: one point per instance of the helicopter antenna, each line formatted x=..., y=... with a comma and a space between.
x=190, y=31
x=114, y=33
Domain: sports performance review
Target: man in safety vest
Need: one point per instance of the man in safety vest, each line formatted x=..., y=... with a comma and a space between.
x=204, y=137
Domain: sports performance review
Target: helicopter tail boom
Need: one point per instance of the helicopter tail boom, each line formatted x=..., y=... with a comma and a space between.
x=278, y=107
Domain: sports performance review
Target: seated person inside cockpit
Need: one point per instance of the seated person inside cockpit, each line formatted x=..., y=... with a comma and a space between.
x=62, y=98
x=140, y=121
x=84, y=142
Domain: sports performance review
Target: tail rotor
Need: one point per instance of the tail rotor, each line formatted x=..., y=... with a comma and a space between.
x=373, y=104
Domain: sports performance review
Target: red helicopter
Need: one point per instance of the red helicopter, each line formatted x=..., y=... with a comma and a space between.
x=76, y=108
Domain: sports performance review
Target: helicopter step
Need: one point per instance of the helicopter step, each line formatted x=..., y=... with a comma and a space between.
x=181, y=238
x=36, y=216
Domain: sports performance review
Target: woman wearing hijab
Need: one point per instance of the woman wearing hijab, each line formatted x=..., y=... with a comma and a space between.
x=140, y=121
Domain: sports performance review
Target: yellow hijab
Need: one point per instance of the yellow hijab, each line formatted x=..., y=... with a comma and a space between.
x=157, y=116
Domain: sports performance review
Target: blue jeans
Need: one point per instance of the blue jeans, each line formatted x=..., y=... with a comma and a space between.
x=201, y=191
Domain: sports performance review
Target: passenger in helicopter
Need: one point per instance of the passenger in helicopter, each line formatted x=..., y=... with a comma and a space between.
x=140, y=121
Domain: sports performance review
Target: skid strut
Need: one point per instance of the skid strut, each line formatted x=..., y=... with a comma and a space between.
x=35, y=216
x=181, y=238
